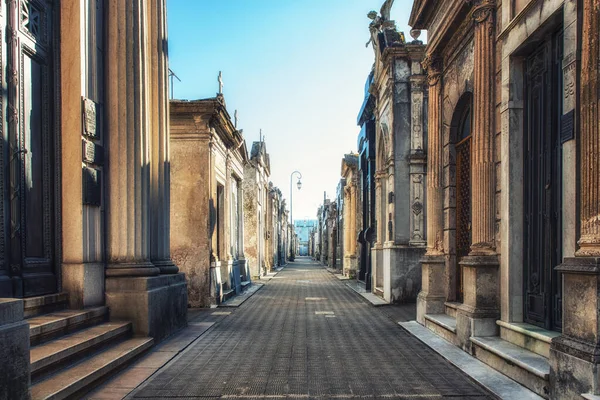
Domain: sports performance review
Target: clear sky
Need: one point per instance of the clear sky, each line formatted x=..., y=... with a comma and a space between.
x=294, y=68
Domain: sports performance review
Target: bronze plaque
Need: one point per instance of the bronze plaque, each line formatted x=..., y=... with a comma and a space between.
x=92, y=186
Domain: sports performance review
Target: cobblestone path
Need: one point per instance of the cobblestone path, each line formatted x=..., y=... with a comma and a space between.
x=306, y=335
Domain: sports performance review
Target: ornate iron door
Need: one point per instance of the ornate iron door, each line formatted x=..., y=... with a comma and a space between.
x=31, y=146
x=543, y=172
x=463, y=207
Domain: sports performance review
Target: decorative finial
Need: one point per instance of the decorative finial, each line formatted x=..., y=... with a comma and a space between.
x=220, y=79
x=415, y=33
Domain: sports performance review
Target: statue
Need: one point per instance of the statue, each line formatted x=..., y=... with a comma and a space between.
x=378, y=21
x=385, y=10
x=235, y=117
x=220, y=79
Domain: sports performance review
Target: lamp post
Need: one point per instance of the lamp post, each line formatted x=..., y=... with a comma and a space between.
x=292, y=230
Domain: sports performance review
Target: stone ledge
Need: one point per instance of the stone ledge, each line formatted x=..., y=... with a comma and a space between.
x=499, y=384
x=530, y=337
x=11, y=310
x=590, y=396
x=513, y=354
x=445, y=321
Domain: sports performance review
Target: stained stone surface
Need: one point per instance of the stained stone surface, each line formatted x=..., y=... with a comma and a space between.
x=279, y=345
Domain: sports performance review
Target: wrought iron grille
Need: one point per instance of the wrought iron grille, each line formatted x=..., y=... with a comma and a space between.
x=463, y=205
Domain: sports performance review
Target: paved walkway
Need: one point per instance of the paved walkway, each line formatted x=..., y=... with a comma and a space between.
x=306, y=335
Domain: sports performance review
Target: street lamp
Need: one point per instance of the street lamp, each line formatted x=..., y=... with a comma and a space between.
x=292, y=230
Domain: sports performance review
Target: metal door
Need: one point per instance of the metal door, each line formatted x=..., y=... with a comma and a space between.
x=542, y=184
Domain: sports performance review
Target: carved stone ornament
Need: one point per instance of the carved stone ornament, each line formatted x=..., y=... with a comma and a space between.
x=433, y=65
x=483, y=10
x=417, y=208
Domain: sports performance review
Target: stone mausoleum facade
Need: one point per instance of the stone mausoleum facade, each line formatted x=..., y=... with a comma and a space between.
x=258, y=225
x=511, y=272
x=85, y=202
x=207, y=164
x=400, y=98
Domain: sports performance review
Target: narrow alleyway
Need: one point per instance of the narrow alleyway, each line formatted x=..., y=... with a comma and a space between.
x=307, y=335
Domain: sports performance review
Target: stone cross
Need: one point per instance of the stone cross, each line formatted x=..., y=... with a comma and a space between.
x=220, y=79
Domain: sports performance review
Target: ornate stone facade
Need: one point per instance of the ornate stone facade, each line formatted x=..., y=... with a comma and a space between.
x=505, y=80
x=400, y=95
x=352, y=214
x=85, y=222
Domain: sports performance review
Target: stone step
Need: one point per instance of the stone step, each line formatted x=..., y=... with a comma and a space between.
x=39, y=305
x=50, y=356
x=526, y=367
x=228, y=294
x=443, y=325
x=451, y=308
x=530, y=337
x=83, y=376
x=49, y=326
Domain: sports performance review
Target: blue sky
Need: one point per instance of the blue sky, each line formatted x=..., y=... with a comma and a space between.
x=294, y=68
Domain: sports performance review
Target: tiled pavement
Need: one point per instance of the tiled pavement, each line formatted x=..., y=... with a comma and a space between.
x=306, y=335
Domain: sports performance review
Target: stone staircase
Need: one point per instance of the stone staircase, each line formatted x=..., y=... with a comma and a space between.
x=521, y=351
x=74, y=350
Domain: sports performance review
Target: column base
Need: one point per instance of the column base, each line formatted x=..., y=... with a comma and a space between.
x=14, y=350
x=84, y=283
x=575, y=355
x=573, y=369
x=480, y=310
x=432, y=297
x=156, y=305
x=166, y=266
x=132, y=269
x=401, y=273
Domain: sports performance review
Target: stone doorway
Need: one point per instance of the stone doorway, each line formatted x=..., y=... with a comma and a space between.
x=463, y=187
x=28, y=251
x=543, y=184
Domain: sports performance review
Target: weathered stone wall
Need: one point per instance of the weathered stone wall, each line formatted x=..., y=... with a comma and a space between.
x=251, y=239
x=190, y=210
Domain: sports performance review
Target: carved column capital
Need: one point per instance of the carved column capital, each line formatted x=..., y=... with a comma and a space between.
x=433, y=64
x=483, y=10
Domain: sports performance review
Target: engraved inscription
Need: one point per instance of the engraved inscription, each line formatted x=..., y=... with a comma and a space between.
x=89, y=116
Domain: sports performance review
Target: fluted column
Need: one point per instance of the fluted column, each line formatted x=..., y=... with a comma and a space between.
x=483, y=167
x=435, y=226
x=160, y=166
x=128, y=244
x=589, y=243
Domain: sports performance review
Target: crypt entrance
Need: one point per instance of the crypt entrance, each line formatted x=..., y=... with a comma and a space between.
x=462, y=134
x=543, y=184
x=28, y=240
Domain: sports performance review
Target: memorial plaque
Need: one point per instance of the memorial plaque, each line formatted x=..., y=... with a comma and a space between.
x=567, y=126
x=92, y=153
x=92, y=186
x=89, y=117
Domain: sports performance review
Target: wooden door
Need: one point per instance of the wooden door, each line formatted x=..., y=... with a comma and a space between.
x=542, y=184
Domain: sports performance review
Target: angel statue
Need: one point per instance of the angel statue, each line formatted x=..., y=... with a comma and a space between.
x=378, y=21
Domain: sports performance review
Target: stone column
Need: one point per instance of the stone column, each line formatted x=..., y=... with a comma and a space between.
x=127, y=123
x=480, y=309
x=156, y=305
x=483, y=166
x=432, y=296
x=160, y=253
x=575, y=355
